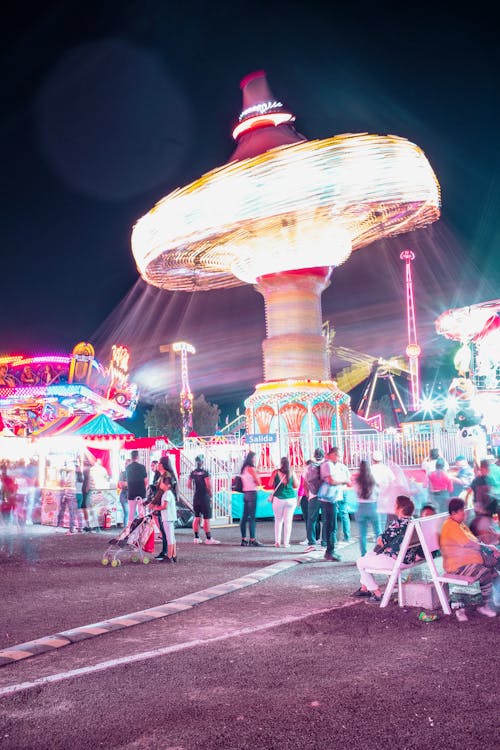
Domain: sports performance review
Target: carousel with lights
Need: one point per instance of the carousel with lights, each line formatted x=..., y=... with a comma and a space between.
x=281, y=215
x=475, y=391
x=58, y=412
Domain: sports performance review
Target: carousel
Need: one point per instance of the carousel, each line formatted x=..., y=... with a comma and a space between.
x=281, y=215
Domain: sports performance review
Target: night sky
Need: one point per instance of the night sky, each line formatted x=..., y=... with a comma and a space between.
x=106, y=107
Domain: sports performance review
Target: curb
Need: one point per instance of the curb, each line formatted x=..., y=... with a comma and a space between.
x=74, y=635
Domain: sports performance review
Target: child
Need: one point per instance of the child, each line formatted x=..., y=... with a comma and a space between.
x=427, y=510
x=166, y=515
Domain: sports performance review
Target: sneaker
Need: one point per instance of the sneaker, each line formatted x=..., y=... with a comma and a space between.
x=311, y=548
x=331, y=558
x=485, y=610
x=244, y=543
x=69, y=533
x=360, y=592
x=277, y=544
x=254, y=543
x=212, y=541
x=461, y=615
x=374, y=598
x=303, y=544
x=197, y=540
x=161, y=556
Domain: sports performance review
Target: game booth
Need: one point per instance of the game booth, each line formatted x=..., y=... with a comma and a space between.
x=58, y=415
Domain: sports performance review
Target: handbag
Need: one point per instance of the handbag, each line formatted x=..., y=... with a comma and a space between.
x=327, y=491
x=273, y=493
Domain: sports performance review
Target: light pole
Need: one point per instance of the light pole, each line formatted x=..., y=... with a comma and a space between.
x=186, y=397
x=413, y=350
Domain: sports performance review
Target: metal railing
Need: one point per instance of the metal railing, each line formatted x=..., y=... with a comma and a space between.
x=403, y=447
x=224, y=455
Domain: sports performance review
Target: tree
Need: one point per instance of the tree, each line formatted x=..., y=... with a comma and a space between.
x=164, y=418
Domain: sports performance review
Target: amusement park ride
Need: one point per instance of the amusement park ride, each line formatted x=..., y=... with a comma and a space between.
x=38, y=391
x=374, y=369
x=475, y=391
x=281, y=215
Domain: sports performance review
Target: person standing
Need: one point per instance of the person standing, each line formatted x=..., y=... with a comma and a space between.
x=440, y=487
x=123, y=492
x=153, y=476
x=9, y=492
x=199, y=480
x=367, y=492
x=385, y=480
x=137, y=482
x=67, y=484
x=429, y=463
x=336, y=474
x=166, y=515
x=86, y=496
x=284, y=484
x=312, y=480
x=250, y=481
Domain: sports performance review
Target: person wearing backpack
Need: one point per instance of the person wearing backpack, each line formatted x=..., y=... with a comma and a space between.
x=312, y=478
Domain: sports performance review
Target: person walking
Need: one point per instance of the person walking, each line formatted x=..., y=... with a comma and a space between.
x=335, y=474
x=250, y=481
x=367, y=492
x=137, y=482
x=199, y=480
x=284, y=484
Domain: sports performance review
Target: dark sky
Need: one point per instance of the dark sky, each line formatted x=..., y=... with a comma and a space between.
x=108, y=106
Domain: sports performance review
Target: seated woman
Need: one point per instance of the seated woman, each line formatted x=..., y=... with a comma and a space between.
x=464, y=554
x=386, y=550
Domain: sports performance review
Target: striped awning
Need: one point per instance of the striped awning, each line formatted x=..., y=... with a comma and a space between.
x=85, y=425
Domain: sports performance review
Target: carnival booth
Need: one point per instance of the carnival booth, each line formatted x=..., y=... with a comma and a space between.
x=58, y=415
x=89, y=444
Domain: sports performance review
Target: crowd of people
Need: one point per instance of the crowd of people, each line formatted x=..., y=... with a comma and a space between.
x=385, y=501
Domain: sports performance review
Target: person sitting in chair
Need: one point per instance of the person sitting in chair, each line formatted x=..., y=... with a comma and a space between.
x=464, y=554
x=386, y=550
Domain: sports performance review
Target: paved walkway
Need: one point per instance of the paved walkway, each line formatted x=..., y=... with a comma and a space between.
x=66, y=637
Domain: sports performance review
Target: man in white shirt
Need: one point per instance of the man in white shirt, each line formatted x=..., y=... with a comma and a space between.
x=336, y=474
x=385, y=480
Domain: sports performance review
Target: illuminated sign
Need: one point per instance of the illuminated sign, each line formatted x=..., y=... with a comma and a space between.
x=259, y=109
x=254, y=439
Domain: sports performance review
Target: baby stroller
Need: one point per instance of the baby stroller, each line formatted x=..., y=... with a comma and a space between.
x=130, y=543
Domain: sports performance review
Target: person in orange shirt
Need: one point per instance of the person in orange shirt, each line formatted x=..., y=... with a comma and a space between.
x=464, y=554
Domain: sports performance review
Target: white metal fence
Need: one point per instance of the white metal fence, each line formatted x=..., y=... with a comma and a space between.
x=223, y=457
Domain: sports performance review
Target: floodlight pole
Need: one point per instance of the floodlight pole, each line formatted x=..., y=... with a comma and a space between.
x=413, y=350
x=186, y=396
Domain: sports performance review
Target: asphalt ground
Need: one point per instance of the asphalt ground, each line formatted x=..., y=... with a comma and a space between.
x=291, y=661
